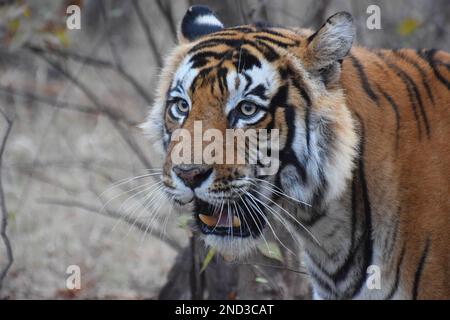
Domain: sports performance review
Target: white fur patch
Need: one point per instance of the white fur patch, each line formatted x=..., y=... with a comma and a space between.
x=232, y=247
x=209, y=20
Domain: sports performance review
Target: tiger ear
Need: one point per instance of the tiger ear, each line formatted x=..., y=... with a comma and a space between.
x=198, y=21
x=332, y=42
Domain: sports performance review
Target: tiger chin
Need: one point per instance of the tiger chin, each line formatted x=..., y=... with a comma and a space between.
x=364, y=170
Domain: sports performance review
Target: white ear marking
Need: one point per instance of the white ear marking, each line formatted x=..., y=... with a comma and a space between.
x=208, y=20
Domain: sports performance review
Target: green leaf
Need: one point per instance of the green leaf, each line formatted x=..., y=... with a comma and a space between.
x=61, y=34
x=408, y=26
x=208, y=258
x=184, y=220
x=271, y=250
x=261, y=280
x=11, y=216
x=13, y=25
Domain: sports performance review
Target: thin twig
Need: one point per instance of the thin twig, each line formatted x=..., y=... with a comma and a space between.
x=145, y=25
x=98, y=63
x=53, y=116
x=167, y=13
x=9, y=253
x=281, y=267
x=65, y=105
x=242, y=12
x=125, y=134
x=111, y=214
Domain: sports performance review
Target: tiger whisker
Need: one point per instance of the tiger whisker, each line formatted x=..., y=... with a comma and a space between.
x=153, y=217
x=251, y=197
x=222, y=203
x=127, y=180
x=127, y=215
x=163, y=232
x=149, y=199
x=280, y=192
x=278, y=216
x=149, y=189
x=291, y=216
x=105, y=204
x=146, y=190
x=150, y=209
x=235, y=207
x=244, y=201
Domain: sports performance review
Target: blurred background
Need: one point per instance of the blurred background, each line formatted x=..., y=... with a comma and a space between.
x=71, y=147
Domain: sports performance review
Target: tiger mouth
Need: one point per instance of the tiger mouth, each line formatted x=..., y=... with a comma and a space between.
x=228, y=220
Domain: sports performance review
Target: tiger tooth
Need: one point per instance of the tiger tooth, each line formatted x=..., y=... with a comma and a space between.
x=208, y=220
x=236, y=222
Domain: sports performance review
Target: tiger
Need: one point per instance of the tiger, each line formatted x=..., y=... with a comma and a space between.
x=364, y=155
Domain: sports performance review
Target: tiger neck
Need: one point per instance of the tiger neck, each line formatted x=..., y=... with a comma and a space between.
x=339, y=257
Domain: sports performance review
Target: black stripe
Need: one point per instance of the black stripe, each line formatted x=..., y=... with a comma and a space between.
x=214, y=42
x=275, y=42
x=278, y=34
x=225, y=33
x=353, y=219
x=222, y=77
x=363, y=77
x=394, y=287
x=245, y=60
x=306, y=97
x=249, y=81
x=201, y=58
x=267, y=51
x=280, y=99
x=419, y=270
x=243, y=29
x=308, y=126
x=394, y=107
x=443, y=64
x=287, y=155
x=368, y=248
x=270, y=54
x=322, y=283
x=258, y=91
x=418, y=98
x=413, y=94
x=422, y=72
x=315, y=216
x=392, y=237
x=428, y=55
x=199, y=77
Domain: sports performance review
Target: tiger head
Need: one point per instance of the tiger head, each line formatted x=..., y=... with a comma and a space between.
x=285, y=81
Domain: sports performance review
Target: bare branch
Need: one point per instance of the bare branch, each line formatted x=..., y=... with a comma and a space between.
x=111, y=214
x=167, y=13
x=240, y=7
x=66, y=105
x=148, y=33
x=9, y=253
x=125, y=134
x=67, y=54
x=318, y=17
x=98, y=63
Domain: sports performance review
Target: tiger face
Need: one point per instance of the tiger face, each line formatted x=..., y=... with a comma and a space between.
x=261, y=78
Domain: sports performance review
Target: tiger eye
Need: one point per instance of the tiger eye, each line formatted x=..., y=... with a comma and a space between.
x=248, y=109
x=182, y=106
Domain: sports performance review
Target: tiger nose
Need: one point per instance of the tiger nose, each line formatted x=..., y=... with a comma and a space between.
x=192, y=175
